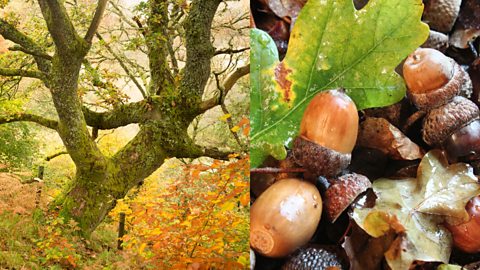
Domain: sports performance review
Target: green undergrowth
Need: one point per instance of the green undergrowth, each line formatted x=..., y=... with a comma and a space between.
x=46, y=241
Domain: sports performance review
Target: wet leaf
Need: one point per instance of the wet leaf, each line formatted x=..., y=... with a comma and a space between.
x=332, y=45
x=378, y=133
x=420, y=205
x=364, y=251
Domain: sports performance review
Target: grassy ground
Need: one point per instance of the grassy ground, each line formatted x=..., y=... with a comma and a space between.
x=33, y=238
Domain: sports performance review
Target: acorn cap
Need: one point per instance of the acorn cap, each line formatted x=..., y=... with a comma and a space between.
x=318, y=159
x=436, y=40
x=442, y=95
x=440, y=15
x=315, y=257
x=342, y=192
x=441, y=122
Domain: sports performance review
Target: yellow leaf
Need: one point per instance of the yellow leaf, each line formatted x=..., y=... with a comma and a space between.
x=186, y=223
x=243, y=260
x=225, y=117
x=235, y=129
x=228, y=206
x=142, y=247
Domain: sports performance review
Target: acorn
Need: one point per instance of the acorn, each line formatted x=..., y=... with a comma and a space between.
x=454, y=127
x=437, y=41
x=466, y=235
x=433, y=79
x=440, y=15
x=328, y=132
x=284, y=217
x=315, y=258
x=342, y=192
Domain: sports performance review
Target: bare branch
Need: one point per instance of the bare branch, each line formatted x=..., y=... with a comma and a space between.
x=50, y=157
x=225, y=111
x=10, y=72
x=19, y=117
x=230, y=51
x=97, y=18
x=27, y=51
x=227, y=86
x=124, y=67
x=235, y=76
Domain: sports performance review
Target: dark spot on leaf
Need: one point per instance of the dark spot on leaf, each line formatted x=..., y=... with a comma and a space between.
x=281, y=73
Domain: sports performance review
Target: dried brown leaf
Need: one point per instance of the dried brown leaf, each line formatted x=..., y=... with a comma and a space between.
x=378, y=133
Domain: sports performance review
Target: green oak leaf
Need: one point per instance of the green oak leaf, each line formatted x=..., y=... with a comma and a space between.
x=416, y=208
x=332, y=45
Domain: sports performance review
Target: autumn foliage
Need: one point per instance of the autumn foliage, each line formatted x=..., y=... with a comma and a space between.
x=196, y=220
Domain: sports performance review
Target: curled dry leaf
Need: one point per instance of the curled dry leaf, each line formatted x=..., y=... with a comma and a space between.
x=420, y=205
x=378, y=133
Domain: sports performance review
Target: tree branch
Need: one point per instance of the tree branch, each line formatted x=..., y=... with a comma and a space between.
x=50, y=157
x=10, y=72
x=227, y=86
x=61, y=28
x=124, y=67
x=97, y=18
x=9, y=32
x=157, y=43
x=130, y=113
x=230, y=51
x=27, y=51
x=199, y=52
x=49, y=123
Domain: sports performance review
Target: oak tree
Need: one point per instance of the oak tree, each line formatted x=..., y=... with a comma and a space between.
x=176, y=37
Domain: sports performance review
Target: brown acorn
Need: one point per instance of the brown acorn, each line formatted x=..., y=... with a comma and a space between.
x=342, y=192
x=466, y=235
x=328, y=133
x=284, y=217
x=442, y=122
x=433, y=79
x=440, y=15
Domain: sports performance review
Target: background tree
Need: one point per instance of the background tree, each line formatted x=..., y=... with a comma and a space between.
x=176, y=37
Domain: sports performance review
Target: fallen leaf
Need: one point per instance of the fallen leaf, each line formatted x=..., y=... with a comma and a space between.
x=421, y=205
x=364, y=251
x=378, y=133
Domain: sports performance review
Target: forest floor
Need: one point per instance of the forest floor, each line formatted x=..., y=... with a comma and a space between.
x=34, y=238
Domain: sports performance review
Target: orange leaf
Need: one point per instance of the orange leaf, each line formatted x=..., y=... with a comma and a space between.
x=245, y=199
